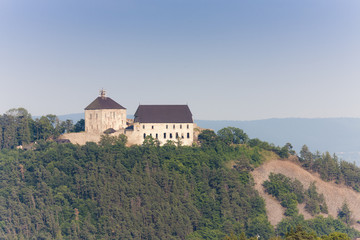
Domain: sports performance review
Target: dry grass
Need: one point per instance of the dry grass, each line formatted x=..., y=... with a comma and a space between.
x=334, y=194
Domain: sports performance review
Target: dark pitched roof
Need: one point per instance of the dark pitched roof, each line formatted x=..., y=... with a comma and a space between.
x=163, y=114
x=104, y=103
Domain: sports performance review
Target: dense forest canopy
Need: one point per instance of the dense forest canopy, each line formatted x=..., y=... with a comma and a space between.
x=17, y=127
x=110, y=191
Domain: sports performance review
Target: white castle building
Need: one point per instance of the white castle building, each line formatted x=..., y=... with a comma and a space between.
x=162, y=122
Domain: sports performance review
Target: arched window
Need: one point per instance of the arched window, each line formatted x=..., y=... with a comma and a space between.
x=170, y=135
x=143, y=126
x=144, y=135
x=164, y=135
x=188, y=135
x=156, y=136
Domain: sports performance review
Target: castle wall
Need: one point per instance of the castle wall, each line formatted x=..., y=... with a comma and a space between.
x=185, y=132
x=81, y=137
x=97, y=121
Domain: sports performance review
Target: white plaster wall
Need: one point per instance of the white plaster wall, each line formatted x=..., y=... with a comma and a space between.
x=185, y=132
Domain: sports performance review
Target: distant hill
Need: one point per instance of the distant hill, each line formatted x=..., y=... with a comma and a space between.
x=336, y=135
x=74, y=117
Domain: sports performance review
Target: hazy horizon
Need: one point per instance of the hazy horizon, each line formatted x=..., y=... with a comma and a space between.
x=234, y=60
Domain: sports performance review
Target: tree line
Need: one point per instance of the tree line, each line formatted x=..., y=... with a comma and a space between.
x=17, y=127
x=330, y=168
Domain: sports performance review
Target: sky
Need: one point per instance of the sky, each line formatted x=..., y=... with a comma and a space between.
x=228, y=60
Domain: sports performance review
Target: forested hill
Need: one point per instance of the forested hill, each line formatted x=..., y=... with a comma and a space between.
x=110, y=191
x=114, y=192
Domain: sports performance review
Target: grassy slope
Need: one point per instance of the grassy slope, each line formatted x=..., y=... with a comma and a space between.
x=334, y=194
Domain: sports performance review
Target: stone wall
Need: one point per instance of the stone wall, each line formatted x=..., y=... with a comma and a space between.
x=162, y=131
x=97, y=121
x=81, y=138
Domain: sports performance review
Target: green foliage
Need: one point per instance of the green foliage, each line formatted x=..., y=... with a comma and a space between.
x=300, y=234
x=336, y=236
x=18, y=128
x=330, y=168
x=319, y=225
x=288, y=192
x=344, y=213
x=109, y=191
x=232, y=135
x=291, y=192
x=315, y=202
x=283, y=152
x=79, y=126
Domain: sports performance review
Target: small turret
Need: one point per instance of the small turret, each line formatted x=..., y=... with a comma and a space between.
x=102, y=93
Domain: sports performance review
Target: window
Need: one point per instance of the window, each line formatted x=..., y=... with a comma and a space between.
x=187, y=126
x=156, y=136
x=167, y=126
x=174, y=126
x=188, y=135
x=180, y=126
x=150, y=135
x=170, y=135
x=182, y=136
x=90, y=116
x=177, y=135
x=164, y=135
x=143, y=126
x=144, y=135
x=152, y=127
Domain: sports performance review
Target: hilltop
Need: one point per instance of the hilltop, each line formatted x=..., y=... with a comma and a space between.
x=336, y=135
x=59, y=190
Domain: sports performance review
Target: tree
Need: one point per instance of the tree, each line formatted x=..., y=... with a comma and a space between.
x=344, y=214
x=300, y=234
x=306, y=157
x=68, y=125
x=79, y=126
x=336, y=236
x=207, y=137
x=315, y=202
x=232, y=135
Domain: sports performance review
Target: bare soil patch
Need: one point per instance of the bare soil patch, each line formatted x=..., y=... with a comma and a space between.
x=334, y=194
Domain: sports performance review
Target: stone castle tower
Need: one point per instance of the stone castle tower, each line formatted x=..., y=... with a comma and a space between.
x=103, y=114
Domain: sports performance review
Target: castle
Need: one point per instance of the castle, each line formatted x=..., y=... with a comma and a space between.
x=162, y=122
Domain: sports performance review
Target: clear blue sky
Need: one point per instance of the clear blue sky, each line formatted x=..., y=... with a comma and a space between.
x=233, y=60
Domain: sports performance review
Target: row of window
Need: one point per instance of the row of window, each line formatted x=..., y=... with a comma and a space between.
x=111, y=115
x=170, y=135
x=167, y=126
